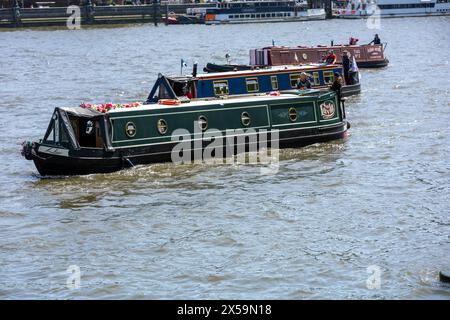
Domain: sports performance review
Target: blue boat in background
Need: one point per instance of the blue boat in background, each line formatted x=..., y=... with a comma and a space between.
x=242, y=82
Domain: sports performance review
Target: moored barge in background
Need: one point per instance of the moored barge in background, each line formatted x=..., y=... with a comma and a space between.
x=107, y=138
x=367, y=56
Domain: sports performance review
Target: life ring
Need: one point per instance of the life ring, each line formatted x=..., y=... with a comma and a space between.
x=274, y=93
x=169, y=102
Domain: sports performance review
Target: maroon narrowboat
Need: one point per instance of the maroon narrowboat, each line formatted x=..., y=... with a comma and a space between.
x=366, y=56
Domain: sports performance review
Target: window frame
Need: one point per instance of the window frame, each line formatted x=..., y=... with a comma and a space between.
x=295, y=76
x=326, y=74
x=256, y=82
x=216, y=82
x=274, y=79
x=316, y=77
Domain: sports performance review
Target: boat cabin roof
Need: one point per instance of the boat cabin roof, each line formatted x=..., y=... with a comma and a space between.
x=254, y=72
x=319, y=46
x=291, y=94
x=265, y=70
x=80, y=112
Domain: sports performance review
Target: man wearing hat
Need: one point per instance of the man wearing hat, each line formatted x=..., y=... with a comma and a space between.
x=346, y=65
x=337, y=84
x=303, y=82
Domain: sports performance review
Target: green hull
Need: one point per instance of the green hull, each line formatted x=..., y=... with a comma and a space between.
x=265, y=112
x=151, y=133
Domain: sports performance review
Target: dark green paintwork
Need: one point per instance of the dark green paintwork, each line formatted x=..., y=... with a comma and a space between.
x=265, y=113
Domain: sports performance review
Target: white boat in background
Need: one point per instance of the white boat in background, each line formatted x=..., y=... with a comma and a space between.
x=254, y=11
x=356, y=9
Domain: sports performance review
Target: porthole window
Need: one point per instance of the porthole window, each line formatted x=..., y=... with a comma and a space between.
x=202, y=123
x=162, y=126
x=292, y=114
x=245, y=118
x=130, y=129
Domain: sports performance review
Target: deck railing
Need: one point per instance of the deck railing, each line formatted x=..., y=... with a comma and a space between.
x=89, y=14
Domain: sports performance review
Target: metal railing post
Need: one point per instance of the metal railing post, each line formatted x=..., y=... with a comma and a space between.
x=16, y=14
x=89, y=11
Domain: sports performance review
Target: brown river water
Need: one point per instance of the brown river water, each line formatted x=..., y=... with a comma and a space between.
x=317, y=229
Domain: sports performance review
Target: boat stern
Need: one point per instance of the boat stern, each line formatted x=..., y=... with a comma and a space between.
x=76, y=138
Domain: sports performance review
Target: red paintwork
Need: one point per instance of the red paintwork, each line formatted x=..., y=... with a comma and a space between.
x=301, y=55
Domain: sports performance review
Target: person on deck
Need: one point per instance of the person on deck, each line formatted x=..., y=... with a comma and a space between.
x=346, y=66
x=353, y=41
x=303, y=82
x=187, y=92
x=376, y=40
x=330, y=58
x=337, y=84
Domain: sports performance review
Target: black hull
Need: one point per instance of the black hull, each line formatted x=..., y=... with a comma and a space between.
x=373, y=64
x=211, y=67
x=351, y=90
x=84, y=162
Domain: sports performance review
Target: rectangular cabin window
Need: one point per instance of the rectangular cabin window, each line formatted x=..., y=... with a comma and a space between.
x=328, y=77
x=274, y=81
x=221, y=87
x=50, y=138
x=57, y=134
x=63, y=138
x=294, y=79
x=316, y=78
x=252, y=84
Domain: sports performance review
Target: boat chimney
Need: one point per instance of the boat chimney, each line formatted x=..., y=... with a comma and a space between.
x=194, y=69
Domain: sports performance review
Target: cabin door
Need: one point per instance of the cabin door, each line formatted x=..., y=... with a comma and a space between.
x=87, y=132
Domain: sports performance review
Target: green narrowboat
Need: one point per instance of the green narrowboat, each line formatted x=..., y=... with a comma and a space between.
x=107, y=138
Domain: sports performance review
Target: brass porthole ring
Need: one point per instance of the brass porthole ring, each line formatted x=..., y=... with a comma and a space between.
x=202, y=123
x=130, y=129
x=292, y=114
x=162, y=126
x=245, y=118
